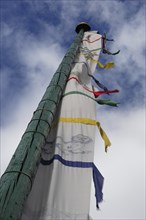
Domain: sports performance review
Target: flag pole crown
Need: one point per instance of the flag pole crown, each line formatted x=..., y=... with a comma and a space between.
x=84, y=26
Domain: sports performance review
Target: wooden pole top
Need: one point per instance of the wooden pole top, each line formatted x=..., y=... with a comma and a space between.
x=84, y=26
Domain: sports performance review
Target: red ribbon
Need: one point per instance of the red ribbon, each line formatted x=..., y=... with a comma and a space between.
x=91, y=41
x=96, y=93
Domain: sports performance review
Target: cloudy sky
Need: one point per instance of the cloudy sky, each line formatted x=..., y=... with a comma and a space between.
x=34, y=38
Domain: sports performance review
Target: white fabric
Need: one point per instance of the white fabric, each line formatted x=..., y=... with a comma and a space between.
x=60, y=192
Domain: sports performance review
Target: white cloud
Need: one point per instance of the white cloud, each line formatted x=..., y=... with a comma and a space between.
x=131, y=38
x=40, y=60
x=6, y=30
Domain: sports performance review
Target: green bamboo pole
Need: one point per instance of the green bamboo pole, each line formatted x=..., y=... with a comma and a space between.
x=16, y=182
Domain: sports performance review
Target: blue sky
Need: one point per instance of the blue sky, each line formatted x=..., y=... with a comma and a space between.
x=34, y=38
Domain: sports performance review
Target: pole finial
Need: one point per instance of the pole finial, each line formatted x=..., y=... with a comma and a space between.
x=84, y=26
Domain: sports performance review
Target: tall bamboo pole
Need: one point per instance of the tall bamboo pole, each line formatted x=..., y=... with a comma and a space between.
x=16, y=182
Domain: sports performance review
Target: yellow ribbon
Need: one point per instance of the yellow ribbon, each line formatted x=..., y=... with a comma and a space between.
x=89, y=121
x=107, y=65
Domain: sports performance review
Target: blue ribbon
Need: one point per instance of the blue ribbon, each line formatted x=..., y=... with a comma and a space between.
x=97, y=177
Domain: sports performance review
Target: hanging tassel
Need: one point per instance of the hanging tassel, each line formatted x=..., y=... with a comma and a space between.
x=96, y=94
x=104, y=50
x=103, y=66
x=110, y=53
x=107, y=102
x=105, y=138
x=108, y=65
x=109, y=39
x=98, y=83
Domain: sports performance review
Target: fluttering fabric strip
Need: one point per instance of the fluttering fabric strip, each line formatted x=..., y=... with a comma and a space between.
x=107, y=65
x=97, y=177
x=96, y=93
x=104, y=49
x=99, y=101
x=107, y=102
x=89, y=121
x=110, y=53
x=89, y=54
x=98, y=83
x=104, y=136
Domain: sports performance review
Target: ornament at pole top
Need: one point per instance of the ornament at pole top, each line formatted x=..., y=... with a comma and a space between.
x=84, y=26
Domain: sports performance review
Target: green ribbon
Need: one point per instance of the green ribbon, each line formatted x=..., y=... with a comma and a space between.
x=99, y=101
x=107, y=102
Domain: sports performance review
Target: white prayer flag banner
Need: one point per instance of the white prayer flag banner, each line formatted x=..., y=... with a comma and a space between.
x=62, y=186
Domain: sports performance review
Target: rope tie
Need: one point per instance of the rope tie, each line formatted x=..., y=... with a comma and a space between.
x=16, y=171
x=39, y=119
x=35, y=133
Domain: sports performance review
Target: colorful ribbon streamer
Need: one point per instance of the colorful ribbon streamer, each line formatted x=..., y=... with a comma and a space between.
x=104, y=49
x=99, y=101
x=89, y=121
x=97, y=177
x=96, y=93
x=89, y=56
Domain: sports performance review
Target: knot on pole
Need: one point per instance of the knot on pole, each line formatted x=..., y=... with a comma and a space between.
x=20, y=172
